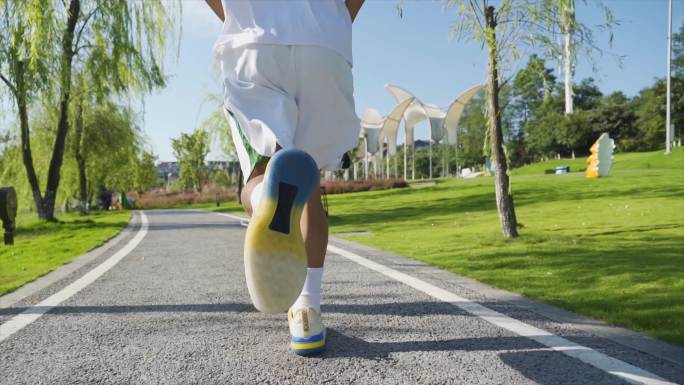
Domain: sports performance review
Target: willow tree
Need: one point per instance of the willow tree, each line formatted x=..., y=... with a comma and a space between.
x=569, y=37
x=505, y=28
x=220, y=132
x=218, y=126
x=107, y=147
x=501, y=32
x=567, y=21
x=120, y=44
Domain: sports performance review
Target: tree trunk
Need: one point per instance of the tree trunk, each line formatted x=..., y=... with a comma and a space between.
x=413, y=160
x=80, y=156
x=568, y=70
x=63, y=124
x=405, y=163
x=27, y=155
x=82, y=184
x=567, y=27
x=547, y=90
x=504, y=200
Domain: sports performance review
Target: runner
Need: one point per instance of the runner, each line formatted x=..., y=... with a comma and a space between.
x=286, y=68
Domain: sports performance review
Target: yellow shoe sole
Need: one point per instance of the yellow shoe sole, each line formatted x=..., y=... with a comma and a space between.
x=275, y=255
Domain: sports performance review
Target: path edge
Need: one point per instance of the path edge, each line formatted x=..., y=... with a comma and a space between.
x=635, y=340
x=629, y=338
x=63, y=271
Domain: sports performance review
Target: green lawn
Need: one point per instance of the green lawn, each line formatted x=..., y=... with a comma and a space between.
x=610, y=248
x=626, y=161
x=40, y=247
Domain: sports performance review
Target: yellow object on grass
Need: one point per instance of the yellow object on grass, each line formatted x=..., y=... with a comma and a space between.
x=601, y=158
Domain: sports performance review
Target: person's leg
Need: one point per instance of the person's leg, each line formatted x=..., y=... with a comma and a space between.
x=314, y=223
x=255, y=179
x=315, y=230
x=314, y=226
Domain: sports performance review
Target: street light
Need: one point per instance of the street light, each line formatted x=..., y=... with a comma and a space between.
x=668, y=122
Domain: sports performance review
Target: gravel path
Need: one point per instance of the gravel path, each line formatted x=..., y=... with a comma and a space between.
x=175, y=310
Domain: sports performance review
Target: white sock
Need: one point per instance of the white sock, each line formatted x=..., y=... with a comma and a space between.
x=256, y=195
x=311, y=292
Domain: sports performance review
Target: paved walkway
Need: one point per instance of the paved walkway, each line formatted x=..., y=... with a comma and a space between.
x=168, y=305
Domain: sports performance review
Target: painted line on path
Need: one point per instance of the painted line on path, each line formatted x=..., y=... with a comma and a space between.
x=621, y=369
x=616, y=367
x=31, y=314
x=236, y=217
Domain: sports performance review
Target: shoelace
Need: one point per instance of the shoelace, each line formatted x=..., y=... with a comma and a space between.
x=301, y=316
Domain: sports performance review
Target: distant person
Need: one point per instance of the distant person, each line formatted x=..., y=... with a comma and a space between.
x=104, y=198
x=286, y=68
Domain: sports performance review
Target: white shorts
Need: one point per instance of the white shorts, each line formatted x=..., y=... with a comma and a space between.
x=289, y=96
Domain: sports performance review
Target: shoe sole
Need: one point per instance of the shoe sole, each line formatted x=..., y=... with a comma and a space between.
x=308, y=346
x=275, y=255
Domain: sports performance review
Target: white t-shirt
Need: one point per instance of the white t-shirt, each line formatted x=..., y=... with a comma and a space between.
x=324, y=23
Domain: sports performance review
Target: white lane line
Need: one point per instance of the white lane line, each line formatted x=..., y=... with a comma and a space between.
x=31, y=314
x=625, y=371
x=244, y=221
x=618, y=368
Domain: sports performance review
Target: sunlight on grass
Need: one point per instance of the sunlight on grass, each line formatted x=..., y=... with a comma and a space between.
x=40, y=247
x=609, y=248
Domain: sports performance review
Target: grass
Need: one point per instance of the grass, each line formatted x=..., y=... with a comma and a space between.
x=40, y=247
x=626, y=161
x=608, y=248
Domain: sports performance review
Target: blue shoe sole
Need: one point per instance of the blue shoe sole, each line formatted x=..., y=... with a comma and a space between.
x=290, y=179
x=308, y=352
x=308, y=346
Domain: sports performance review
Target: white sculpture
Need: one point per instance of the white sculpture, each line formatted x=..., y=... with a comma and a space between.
x=601, y=158
x=375, y=129
x=415, y=113
x=443, y=125
x=455, y=110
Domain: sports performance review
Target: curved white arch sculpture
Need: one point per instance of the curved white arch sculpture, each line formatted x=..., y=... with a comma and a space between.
x=414, y=114
x=443, y=125
x=390, y=127
x=417, y=112
x=455, y=110
x=436, y=117
x=375, y=129
x=371, y=127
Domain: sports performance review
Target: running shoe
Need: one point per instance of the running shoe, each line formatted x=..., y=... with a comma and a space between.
x=307, y=330
x=275, y=255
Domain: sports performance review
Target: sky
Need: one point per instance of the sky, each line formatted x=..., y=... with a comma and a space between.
x=414, y=52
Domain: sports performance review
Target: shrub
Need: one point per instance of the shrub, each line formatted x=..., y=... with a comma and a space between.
x=161, y=199
x=342, y=186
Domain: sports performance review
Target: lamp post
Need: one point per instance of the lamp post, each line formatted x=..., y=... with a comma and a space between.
x=365, y=158
x=668, y=122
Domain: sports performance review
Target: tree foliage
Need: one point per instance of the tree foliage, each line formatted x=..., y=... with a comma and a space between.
x=217, y=126
x=191, y=150
x=119, y=45
x=145, y=172
x=678, y=52
x=114, y=155
x=500, y=31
